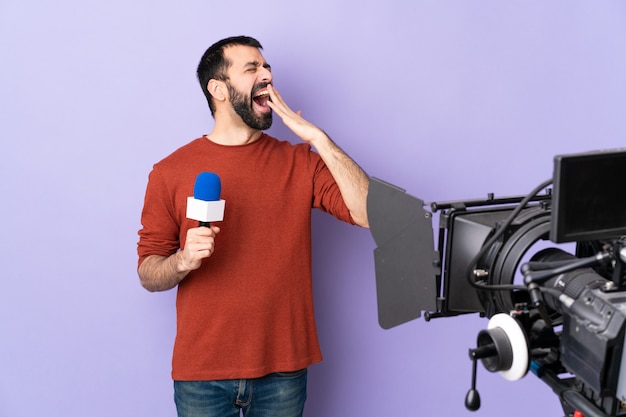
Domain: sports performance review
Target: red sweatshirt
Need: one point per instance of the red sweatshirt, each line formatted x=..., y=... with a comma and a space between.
x=248, y=310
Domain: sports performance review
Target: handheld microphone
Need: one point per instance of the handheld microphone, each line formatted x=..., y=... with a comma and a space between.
x=206, y=205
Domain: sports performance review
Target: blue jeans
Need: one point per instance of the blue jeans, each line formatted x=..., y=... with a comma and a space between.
x=279, y=394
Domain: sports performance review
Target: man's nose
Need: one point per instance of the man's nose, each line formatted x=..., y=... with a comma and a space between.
x=266, y=75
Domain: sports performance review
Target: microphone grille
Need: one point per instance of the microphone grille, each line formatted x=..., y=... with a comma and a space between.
x=208, y=187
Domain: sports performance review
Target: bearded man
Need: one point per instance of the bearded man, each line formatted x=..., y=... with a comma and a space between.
x=245, y=324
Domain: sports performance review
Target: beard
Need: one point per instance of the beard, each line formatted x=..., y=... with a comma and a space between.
x=242, y=105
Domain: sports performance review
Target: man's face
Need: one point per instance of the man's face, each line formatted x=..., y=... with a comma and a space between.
x=249, y=76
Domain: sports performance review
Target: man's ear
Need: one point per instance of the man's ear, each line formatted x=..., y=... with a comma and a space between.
x=217, y=89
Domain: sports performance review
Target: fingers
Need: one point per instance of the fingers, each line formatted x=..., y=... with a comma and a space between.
x=293, y=120
x=277, y=103
x=201, y=238
x=199, y=244
x=281, y=108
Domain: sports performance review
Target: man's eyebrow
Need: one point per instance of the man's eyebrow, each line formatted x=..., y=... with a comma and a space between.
x=258, y=64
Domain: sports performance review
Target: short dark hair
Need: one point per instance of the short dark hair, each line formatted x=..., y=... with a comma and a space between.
x=213, y=64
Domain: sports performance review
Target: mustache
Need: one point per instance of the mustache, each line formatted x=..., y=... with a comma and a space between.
x=259, y=86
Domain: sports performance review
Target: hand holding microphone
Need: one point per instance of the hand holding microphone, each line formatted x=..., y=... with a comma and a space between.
x=205, y=206
x=199, y=244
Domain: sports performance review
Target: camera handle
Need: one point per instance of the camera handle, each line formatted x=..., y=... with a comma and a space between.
x=503, y=348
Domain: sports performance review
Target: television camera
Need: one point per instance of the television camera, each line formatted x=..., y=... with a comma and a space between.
x=565, y=321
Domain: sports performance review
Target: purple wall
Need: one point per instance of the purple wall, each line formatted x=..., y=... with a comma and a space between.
x=448, y=99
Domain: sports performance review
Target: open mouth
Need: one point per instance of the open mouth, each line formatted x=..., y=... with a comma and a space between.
x=261, y=98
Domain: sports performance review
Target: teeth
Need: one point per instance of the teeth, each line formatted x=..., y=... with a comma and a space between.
x=262, y=93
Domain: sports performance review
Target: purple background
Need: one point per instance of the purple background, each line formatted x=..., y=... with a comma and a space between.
x=447, y=99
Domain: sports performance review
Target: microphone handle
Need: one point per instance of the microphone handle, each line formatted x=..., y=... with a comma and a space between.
x=204, y=224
